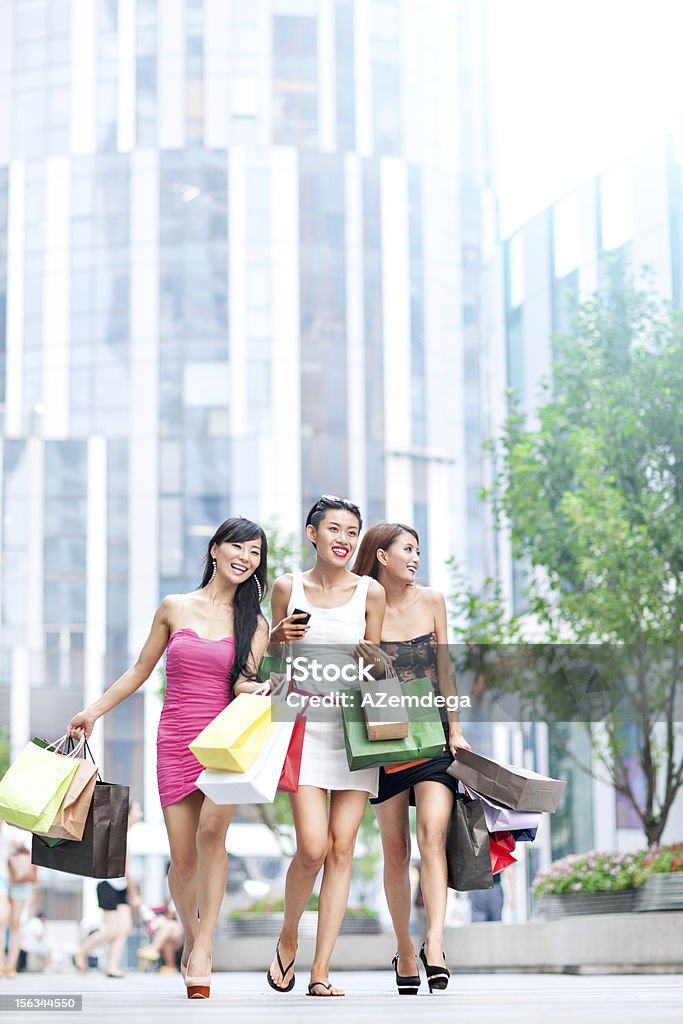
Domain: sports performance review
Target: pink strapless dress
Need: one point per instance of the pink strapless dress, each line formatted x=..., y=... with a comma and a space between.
x=197, y=689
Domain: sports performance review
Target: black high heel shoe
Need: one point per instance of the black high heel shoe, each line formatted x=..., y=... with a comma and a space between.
x=437, y=977
x=407, y=984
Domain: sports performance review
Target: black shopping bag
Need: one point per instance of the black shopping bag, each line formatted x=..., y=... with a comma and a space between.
x=468, y=851
x=101, y=853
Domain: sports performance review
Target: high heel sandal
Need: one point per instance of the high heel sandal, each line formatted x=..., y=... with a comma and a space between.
x=283, y=973
x=199, y=987
x=437, y=977
x=183, y=967
x=407, y=984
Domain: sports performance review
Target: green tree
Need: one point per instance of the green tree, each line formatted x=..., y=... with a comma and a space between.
x=591, y=493
x=284, y=555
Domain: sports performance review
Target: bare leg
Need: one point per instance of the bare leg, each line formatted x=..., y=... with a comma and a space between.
x=434, y=803
x=172, y=941
x=16, y=908
x=309, y=810
x=394, y=826
x=346, y=812
x=166, y=930
x=212, y=877
x=123, y=924
x=4, y=922
x=182, y=822
x=106, y=934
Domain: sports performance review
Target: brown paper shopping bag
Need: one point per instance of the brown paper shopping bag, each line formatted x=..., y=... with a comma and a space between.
x=386, y=717
x=69, y=822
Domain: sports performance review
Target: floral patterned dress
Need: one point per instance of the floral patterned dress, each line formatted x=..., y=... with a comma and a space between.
x=416, y=659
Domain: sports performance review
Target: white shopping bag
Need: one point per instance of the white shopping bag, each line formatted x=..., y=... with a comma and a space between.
x=258, y=785
x=503, y=819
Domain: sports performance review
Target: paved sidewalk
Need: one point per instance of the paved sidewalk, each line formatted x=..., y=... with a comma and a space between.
x=371, y=999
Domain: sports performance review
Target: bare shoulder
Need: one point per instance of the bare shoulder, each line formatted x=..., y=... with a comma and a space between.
x=432, y=597
x=376, y=591
x=169, y=607
x=282, y=587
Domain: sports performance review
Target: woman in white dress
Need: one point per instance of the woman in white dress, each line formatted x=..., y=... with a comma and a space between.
x=346, y=613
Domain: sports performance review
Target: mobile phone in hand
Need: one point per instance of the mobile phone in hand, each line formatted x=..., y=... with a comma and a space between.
x=301, y=622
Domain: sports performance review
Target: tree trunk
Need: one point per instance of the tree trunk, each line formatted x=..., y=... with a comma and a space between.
x=653, y=830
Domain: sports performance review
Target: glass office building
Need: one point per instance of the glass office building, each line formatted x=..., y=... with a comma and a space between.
x=633, y=209
x=239, y=266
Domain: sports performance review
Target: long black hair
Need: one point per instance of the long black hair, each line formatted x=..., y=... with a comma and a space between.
x=246, y=610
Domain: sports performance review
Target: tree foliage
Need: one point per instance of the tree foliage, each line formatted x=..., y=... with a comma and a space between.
x=591, y=494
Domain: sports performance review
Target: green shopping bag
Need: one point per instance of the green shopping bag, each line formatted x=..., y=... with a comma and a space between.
x=271, y=663
x=425, y=737
x=32, y=789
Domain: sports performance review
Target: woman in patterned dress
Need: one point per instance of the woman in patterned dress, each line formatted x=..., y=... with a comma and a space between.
x=415, y=636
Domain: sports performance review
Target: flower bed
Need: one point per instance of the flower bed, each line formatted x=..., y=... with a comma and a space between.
x=609, y=882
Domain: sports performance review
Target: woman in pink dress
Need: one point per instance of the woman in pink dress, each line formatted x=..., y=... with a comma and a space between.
x=214, y=638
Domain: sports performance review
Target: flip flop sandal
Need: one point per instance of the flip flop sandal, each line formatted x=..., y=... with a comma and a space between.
x=283, y=971
x=323, y=985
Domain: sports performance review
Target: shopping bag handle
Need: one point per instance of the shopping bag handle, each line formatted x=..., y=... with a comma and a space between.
x=66, y=742
x=77, y=747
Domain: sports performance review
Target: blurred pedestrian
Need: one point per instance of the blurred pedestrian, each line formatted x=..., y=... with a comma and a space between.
x=4, y=892
x=115, y=897
x=487, y=904
x=34, y=942
x=21, y=874
x=166, y=934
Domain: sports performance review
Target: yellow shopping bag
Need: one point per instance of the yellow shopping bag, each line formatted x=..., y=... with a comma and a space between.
x=236, y=737
x=32, y=789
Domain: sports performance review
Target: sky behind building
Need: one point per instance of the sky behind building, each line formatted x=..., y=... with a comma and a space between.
x=576, y=87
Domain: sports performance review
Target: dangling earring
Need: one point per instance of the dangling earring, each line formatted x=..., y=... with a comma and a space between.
x=213, y=574
x=258, y=587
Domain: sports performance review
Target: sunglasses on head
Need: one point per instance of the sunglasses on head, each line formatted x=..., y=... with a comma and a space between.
x=333, y=501
x=326, y=499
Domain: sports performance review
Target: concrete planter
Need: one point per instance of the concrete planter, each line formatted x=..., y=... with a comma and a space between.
x=661, y=892
x=271, y=924
x=605, y=943
x=553, y=906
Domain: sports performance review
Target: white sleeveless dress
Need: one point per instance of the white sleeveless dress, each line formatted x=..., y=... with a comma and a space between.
x=323, y=760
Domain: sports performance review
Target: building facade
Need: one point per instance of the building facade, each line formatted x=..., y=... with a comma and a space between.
x=534, y=278
x=239, y=267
